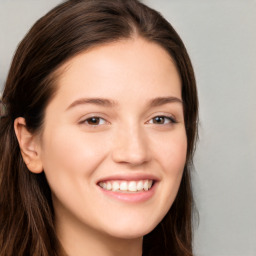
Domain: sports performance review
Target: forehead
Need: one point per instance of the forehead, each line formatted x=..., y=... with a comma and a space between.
x=133, y=67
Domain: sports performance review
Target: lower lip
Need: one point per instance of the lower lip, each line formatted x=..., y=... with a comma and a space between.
x=131, y=197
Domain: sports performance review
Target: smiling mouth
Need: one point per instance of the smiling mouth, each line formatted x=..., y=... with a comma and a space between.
x=127, y=186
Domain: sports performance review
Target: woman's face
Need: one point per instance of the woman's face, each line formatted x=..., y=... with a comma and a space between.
x=113, y=146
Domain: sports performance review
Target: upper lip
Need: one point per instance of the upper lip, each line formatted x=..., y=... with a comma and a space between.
x=129, y=177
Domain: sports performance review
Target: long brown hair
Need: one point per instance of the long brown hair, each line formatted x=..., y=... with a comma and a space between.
x=26, y=211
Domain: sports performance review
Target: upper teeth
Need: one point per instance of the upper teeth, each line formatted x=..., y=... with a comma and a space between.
x=132, y=186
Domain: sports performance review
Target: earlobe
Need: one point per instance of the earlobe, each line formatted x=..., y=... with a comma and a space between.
x=29, y=146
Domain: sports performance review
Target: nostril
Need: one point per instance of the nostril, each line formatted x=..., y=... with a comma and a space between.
x=131, y=156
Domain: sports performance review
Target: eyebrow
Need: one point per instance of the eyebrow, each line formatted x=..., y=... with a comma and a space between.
x=159, y=101
x=95, y=101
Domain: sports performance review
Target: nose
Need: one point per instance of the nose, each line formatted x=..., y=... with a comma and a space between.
x=131, y=146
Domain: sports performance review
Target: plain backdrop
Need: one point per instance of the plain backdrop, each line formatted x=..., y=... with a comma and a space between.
x=220, y=36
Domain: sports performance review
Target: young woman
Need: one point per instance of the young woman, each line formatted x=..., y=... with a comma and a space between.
x=97, y=133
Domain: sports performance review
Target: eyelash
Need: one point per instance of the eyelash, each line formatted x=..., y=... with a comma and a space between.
x=95, y=118
x=169, y=119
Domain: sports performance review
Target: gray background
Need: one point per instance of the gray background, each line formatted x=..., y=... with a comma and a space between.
x=220, y=36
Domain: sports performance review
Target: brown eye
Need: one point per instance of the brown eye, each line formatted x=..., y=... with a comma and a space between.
x=159, y=120
x=94, y=121
x=162, y=120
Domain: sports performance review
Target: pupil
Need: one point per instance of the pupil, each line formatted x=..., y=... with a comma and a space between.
x=159, y=119
x=93, y=120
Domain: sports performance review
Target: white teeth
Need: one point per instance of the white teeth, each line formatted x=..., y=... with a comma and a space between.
x=132, y=186
x=140, y=185
x=115, y=186
x=109, y=186
x=123, y=186
x=145, y=185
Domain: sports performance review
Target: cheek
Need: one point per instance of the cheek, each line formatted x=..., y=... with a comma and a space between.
x=172, y=158
x=70, y=160
x=68, y=154
x=175, y=156
x=172, y=151
x=69, y=163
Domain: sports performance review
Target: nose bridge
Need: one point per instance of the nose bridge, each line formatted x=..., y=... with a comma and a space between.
x=131, y=145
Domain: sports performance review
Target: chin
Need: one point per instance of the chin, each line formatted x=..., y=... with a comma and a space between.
x=130, y=231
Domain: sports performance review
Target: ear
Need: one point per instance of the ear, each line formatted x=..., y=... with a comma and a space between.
x=29, y=146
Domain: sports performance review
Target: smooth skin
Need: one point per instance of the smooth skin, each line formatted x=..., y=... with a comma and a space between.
x=117, y=111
